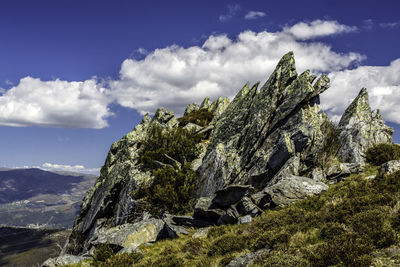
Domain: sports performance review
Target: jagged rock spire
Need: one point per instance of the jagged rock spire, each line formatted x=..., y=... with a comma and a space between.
x=361, y=129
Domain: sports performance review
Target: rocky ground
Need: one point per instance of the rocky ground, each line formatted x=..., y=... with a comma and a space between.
x=267, y=149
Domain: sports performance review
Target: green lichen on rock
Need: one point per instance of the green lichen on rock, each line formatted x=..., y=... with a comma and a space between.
x=361, y=129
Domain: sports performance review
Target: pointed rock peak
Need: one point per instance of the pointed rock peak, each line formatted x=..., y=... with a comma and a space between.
x=206, y=103
x=162, y=115
x=146, y=119
x=322, y=83
x=191, y=107
x=359, y=109
x=284, y=73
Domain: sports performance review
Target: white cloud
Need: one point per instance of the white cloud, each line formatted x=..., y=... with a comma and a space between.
x=232, y=10
x=70, y=168
x=55, y=103
x=317, y=28
x=174, y=76
x=390, y=24
x=254, y=15
x=383, y=84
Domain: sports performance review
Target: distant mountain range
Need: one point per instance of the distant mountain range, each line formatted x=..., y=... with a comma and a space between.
x=38, y=198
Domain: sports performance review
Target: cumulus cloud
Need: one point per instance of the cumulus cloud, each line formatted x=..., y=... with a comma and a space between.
x=232, y=10
x=383, y=84
x=55, y=103
x=254, y=15
x=174, y=76
x=70, y=168
x=317, y=28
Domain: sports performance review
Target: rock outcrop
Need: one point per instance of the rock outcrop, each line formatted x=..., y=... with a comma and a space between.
x=260, y=151
x=360, y=129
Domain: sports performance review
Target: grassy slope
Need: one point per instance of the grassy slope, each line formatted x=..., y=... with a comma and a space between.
x=355, y=223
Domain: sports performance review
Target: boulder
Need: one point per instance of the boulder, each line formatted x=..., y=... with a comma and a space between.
x=293, y=189
x=63, y=260
x=247, y=207
x=245, y=219
x=133, y=235
x=246, y=259
x=230, y=216
x=201, y=233
x=340, y=170
x=231, y=195
x=204, y=210
x=189, y=221
x=391, y=166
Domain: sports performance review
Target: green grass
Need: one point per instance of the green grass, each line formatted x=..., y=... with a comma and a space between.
x=344, y=226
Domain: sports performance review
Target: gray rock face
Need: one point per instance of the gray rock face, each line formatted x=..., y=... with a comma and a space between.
x=264, y=140
x=63, y=260
x=361, y=129
x=260, y=132
x=231, y=195
x=340, y=170
x=293, y=189
x=391, y=166
x=130, y=236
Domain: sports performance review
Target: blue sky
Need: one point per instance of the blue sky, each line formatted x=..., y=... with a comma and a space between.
x=76, y=76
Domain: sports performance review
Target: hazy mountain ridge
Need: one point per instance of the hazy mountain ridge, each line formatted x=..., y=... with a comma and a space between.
x=34, y=197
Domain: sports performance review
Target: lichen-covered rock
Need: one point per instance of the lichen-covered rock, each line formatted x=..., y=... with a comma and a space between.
x=391, y=166
x=63, y=260
x=293, y=189
x=361, y=129
x=340, y=170
x=260, y=132
x=130, y=236
x=110, y=202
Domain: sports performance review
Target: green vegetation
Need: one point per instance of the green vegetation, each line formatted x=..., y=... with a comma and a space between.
x=168, y=155
x=330, y=144
x=102, y=252
x=200, y=117
x=345, y=226
x=383, y=153
x=170, y=190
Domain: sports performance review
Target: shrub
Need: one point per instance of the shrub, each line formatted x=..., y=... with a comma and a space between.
x=200, y=117
x=173, y=184
x=178, y=144
x=226, y=244
x=382, y=153
x=171, y=190
x=348, y=249
x=103, y=252
x=279, y=258
x=194, y=246
x=330, y=145
x=122, y=260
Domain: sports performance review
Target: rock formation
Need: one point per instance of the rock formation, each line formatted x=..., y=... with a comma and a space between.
x=260, y=151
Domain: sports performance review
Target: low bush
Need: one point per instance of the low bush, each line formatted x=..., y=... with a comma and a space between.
x=382, y=153
x=200, y=117
x=102, y=252
x=171, y=190
x=226, y=244
x=340, y=227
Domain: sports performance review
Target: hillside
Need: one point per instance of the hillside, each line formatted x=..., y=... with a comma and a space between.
x=29, y=247
x=278, y=178
x=30, y=197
